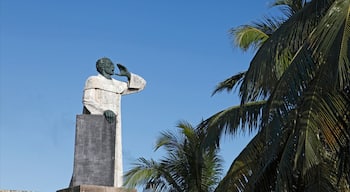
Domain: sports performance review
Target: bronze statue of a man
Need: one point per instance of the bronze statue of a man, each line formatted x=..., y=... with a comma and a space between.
x=102, y=95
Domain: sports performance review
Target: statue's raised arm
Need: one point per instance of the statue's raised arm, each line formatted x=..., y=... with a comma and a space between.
x=123, y=71
x=135, y=84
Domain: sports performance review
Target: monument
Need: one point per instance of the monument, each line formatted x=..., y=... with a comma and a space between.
x=98, y=162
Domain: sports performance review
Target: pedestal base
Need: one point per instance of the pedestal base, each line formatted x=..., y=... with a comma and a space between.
x=94, y=152
x=95, y=188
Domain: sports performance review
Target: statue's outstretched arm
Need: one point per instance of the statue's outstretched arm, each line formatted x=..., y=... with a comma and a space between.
x=135, y=84
x=123, y=71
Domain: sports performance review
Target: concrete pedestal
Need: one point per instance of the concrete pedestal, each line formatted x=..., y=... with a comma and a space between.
x=94, y=152
x=94, y=188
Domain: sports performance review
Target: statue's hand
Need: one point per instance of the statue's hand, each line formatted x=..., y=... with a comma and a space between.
x=109, y=115
x=123, y=71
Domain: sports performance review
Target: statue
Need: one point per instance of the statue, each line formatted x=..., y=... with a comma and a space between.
x=102, y=95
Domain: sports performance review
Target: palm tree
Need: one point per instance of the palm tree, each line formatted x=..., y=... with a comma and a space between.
x=296, y=95
x=186, y=167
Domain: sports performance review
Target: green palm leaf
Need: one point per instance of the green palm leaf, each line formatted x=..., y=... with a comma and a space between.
x=229, y=83
x=275, y=55
x=331, y=43
x=143, y=172
x=243, y=167
x=247, y=36
x=231, y=121
x=310, y=60
x=290, y=7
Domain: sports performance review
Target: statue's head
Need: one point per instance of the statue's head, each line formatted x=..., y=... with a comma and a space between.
x=105, y=67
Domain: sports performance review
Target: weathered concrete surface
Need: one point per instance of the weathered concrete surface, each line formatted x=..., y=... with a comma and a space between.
x=94, y=188
x=94, y=153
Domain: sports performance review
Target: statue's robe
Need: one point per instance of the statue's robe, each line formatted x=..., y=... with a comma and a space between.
x=101, y=94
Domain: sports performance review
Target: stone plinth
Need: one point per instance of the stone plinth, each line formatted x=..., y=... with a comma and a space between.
x=94, y=188
x=94, y=153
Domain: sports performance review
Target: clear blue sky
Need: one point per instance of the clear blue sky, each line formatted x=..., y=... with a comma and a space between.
x=49, y=47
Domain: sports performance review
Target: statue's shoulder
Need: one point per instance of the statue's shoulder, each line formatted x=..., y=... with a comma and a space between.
x=94, y=78
x=94, y=82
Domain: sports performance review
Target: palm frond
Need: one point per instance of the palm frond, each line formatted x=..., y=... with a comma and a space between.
x=212, y=170
x=291, y=84
x=343, y=164
x=321, y=177
x=247, y=36
x=290, y=7
x=172, y=173
x=286, y=174
x=242, y=168
x=276, y=136
x=317, y=132
x=142, y=172
x=268, y=25
x=254, y=35
x=229, y=83
x=315, y=58
x=231, y=121
x=169, y=141
x=188, y=130
x=309, y=144
x=276, y=53
x=331, y=43
x=332, y=111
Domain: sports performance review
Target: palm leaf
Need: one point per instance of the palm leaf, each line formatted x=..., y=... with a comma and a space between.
x=231, y=120
x=229, y=83
x=308, y=62
x=275, y=54
x=290, y=7
x=309, y=145
x=245, y=164
x=321, y=178
x=254, y=35
x=248, y=36
x=188, y=131
x=291, y=85
x=343, y=165
x=169, y=141
x=284, y=180
x=173, y=172
x=142, y=172
x=316, y=129
x=333, y=120
x=331, y=42
x=276, y=136
x=212, y=170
